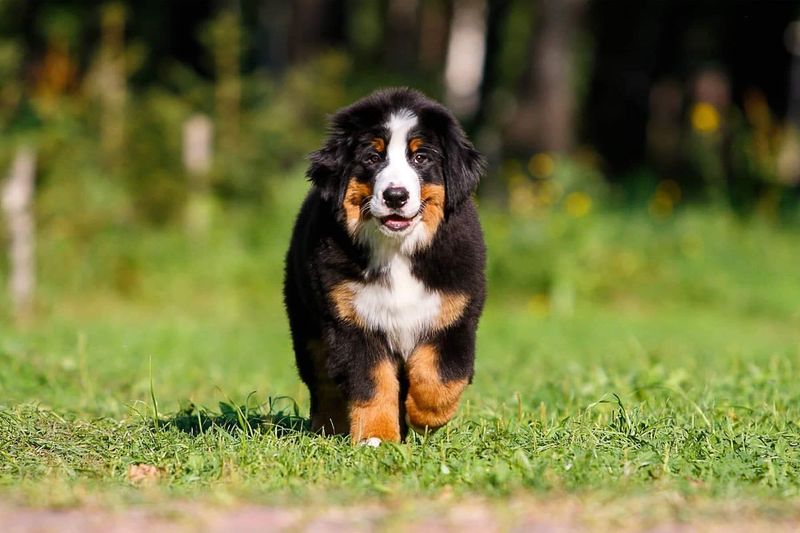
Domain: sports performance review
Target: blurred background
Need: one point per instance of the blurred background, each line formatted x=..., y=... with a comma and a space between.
x=147, y=139
x=641, y=210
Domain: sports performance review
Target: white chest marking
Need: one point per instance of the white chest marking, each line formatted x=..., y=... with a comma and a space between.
x=400, y=306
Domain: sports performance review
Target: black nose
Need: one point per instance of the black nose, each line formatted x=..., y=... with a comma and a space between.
x=395, y=197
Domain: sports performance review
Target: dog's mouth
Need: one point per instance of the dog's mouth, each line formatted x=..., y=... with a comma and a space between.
x=396, y=222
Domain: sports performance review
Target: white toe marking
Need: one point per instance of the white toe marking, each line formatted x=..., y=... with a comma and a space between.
x=372, y=442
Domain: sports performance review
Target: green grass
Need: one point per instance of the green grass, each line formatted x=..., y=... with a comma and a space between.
x=618, y=355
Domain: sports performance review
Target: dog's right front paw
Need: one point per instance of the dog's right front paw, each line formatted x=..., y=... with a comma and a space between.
x=372, y=442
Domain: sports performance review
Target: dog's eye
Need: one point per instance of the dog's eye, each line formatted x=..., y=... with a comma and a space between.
x=420, y=158
x=372, y=159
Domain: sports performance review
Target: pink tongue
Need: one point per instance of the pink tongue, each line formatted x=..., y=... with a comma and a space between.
x=395, y=223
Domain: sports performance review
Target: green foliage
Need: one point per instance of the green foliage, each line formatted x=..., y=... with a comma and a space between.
x=155, y=181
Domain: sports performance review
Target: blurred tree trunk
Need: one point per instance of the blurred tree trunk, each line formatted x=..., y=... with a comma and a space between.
x=632, y=105
x=17, y=200
x=225, y=40
x=496, y=17
x=793, y=106
x=434, y=31
x=789, y=157
x=273, y=33
x=482, y=128
x=466, y=50
x=314, y=26
x=112, y=83
x=402, y=29
x=198, y=142
x=546, y=114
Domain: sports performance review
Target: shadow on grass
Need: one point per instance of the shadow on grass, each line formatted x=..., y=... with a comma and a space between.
x=280, y=415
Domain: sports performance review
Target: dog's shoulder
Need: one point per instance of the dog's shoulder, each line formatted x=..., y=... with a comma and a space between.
x=456, y=258
x=319, y=247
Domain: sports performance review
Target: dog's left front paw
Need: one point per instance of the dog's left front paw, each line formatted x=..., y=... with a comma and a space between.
x=372, y=442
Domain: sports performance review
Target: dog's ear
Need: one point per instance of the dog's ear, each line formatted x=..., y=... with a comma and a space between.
x=462, y=164
x=326, y=169
x=463, y=167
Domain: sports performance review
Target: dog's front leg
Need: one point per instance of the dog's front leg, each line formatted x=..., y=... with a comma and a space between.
x=375, y=407
x=367, y=376
x=438, y=373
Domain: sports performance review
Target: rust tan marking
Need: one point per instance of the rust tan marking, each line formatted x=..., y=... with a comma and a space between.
x=330, y=416
x=379, y=144
x=380, y=415
x=433, y=210
x=414, y=144
x=451, y=308
x=431, y=402
x=356, y=195
x=343, y=295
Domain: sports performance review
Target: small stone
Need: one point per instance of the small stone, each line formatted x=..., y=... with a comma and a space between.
x=143, y=474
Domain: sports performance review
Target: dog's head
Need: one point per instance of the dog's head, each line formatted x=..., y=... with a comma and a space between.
x=394, y=165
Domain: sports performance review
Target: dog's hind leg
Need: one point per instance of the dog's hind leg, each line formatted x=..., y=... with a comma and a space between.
x=328, y=406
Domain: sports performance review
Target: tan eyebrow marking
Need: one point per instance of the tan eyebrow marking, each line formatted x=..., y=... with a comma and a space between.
x=379, y=144
x=414, y=144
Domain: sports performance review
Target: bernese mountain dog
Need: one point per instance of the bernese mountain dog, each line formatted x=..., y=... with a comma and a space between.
x=385, y=278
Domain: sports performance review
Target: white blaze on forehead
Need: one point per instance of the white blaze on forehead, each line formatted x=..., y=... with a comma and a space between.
x=399, y=125
x=398, y=172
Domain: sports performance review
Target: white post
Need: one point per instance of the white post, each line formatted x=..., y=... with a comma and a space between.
x=198, y=138
x=466, y=49
x=17, y=201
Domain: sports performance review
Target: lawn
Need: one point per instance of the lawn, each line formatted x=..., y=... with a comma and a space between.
x=621, y=357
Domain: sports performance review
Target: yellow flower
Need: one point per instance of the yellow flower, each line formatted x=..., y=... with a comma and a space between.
x=542, y=165
x=705, y=117
x=578, y=204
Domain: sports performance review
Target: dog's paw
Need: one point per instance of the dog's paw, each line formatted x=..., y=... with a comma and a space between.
x=372, y=442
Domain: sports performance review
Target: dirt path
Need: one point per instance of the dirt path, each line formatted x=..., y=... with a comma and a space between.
x=480, y=516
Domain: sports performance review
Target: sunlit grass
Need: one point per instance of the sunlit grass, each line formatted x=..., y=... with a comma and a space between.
x=618, y=355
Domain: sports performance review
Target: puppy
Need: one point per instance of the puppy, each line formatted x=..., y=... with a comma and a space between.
x=385, y=278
